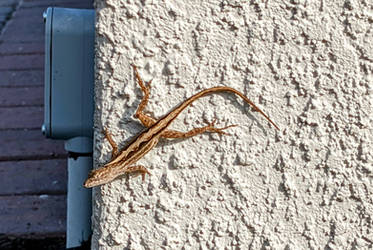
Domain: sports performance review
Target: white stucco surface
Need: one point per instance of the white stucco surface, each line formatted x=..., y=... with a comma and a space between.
x=307, y=64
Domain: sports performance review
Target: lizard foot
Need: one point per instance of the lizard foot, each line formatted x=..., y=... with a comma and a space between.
x=211, y=128
x=138, y=170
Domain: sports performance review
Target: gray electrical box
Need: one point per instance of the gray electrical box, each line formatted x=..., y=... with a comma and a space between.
x=69, y=74
x=69, y=106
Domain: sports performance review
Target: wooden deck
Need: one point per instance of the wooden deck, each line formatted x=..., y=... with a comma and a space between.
x=32, y=168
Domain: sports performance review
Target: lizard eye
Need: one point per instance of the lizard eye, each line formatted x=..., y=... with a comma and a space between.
x=92, y=174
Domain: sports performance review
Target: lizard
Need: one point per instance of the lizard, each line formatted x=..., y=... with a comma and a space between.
x=122, y=161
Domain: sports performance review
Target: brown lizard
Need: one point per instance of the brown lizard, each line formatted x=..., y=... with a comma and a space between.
x=155, y=129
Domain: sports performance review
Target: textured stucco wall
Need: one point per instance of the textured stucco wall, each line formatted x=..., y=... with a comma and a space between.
x=307, y=64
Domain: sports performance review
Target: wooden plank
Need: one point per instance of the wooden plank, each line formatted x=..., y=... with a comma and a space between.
x=33, y=214
x=26, y=145
x=22, y=62
x=36, y=12
x=9, y=2
x=33, y=177
x=25, y=96
x=11, y=48
x=21, y=117
x=26, y=29
x=26, y=78
x=3, y=18
x=58, y=3
x=6, y=10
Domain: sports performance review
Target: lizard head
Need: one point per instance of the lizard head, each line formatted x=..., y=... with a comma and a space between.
x=98, y=177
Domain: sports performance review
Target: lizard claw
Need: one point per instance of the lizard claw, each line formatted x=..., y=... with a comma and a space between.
x=143, y=174
x=148, y=84
x=211, y=128
x=106, y=133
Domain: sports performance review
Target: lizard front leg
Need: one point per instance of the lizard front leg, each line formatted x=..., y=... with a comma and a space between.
x=146, y=120
x=139, y=170
x=196, y=131
x=115, y=150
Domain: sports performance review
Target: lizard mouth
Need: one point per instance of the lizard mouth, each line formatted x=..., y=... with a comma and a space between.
x=89, y=184
x=96, y=178
x=92, y=181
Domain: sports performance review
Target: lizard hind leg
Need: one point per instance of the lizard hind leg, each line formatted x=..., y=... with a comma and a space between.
x=211, y=128
x=138, y=170
x=196, y=131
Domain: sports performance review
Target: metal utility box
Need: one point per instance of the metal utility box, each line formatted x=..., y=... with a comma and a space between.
x=69, y=106
x=69, y=76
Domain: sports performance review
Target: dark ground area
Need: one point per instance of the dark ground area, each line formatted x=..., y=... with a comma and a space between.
x=32, y=168
x=49, y=243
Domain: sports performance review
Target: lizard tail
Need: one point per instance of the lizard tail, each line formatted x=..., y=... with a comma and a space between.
x=191, y=99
